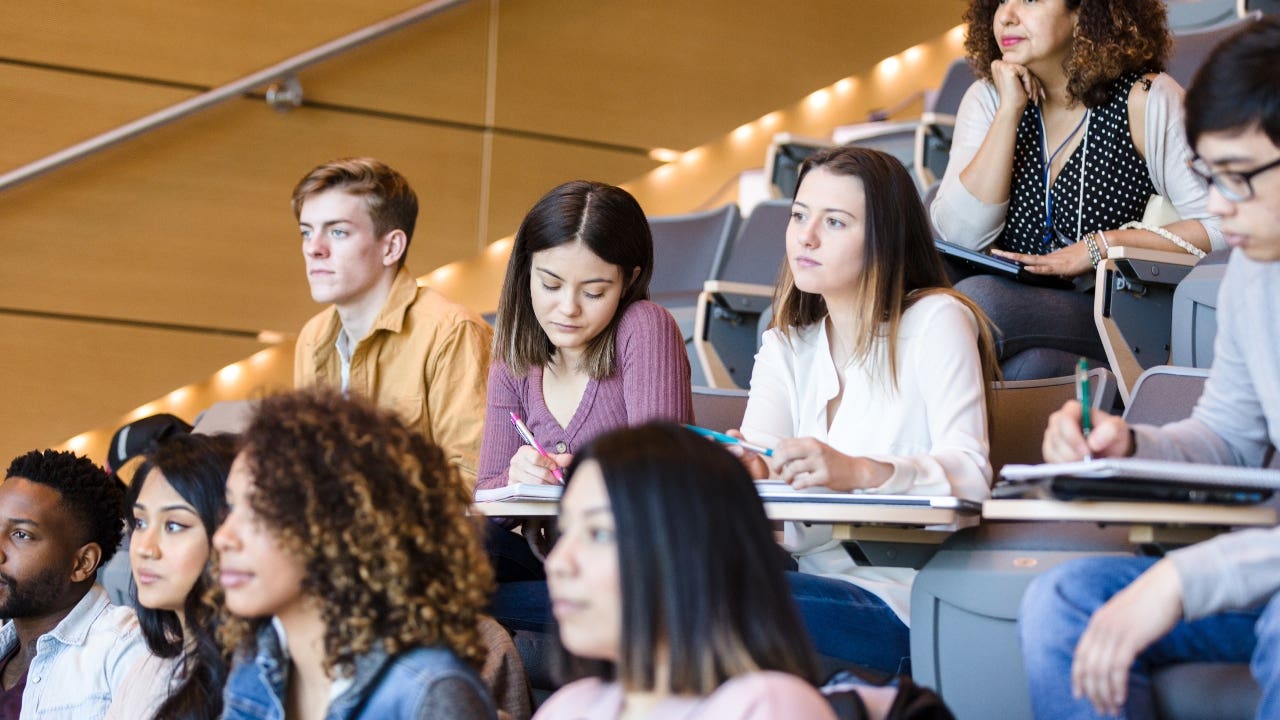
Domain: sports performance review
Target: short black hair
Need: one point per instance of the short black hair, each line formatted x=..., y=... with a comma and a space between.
x=701, y=576
x=94, y=498
x=1238, y=87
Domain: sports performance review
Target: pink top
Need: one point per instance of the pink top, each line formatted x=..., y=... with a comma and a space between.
x=651, y=382
x=754, y=696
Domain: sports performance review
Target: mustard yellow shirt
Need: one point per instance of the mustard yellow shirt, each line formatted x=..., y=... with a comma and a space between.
x=425, y=358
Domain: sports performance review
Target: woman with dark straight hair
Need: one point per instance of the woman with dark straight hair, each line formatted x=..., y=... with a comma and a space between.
x=1059, y=147
x=579, y=348
x=178, y=497
x=666, y=577
x=875, y=378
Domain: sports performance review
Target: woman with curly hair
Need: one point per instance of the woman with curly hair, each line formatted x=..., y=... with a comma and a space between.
x=1070, y=131
x=178, y=497
x=353, y=571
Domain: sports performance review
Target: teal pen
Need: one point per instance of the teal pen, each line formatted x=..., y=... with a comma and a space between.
x=731, y=440
x=1082, y=394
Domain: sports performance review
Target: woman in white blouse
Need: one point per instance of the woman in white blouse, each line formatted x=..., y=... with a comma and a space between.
x=875, y=379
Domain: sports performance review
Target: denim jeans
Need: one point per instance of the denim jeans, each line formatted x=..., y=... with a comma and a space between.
x=850, y=624
x=1057, y=608
x=844, y=621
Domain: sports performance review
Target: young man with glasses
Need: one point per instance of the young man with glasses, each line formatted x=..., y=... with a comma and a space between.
x=1093, y=630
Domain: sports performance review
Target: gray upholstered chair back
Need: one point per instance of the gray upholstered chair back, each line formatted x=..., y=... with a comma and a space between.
x=688, y=250
x=1191, y=48
x=1164, y=394
x=718, y=408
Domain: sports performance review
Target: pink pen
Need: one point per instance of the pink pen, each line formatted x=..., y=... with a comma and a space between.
x=529, y=438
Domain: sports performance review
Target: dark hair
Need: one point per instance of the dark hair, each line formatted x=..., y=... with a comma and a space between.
x=701, y=576
x=378, y=519
x=196, y=466
x=391, y=202
x=1112, y=37
x=1238, y=86
x=610, y=223
x=901, y=264
x=94, y=499
x=140, y=435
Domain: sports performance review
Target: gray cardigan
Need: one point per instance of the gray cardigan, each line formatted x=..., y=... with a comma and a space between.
x=1235, y=422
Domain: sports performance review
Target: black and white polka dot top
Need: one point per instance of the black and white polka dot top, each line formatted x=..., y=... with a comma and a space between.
x=1117, y=183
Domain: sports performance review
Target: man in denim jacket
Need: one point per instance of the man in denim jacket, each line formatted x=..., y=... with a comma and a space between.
x=64, y=649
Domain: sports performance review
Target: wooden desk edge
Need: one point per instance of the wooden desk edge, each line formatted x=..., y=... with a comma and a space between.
x=815, y=512
x=1128, y=512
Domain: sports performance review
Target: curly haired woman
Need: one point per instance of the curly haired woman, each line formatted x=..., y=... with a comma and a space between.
x=356, y=576
x=1070, y=131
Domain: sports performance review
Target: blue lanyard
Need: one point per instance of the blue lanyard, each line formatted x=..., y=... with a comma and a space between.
x=1048, y=236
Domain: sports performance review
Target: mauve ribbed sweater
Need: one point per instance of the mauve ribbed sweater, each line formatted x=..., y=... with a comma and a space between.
x=651, y=383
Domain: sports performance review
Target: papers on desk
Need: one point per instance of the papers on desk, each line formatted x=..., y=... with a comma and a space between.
x=1135, y=479
x=521, y=491
x=777, y=491
x=770, y=491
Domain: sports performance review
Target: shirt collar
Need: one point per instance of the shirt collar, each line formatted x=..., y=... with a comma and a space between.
x=74, y=628
x=404, y=290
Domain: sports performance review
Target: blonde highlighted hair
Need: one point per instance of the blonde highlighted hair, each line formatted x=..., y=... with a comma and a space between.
x=901, y=266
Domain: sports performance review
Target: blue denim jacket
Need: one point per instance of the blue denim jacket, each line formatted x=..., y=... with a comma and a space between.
x=82, y=663
x=382, y=687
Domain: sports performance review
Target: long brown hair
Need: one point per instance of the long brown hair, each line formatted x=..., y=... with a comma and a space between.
x=901, y=265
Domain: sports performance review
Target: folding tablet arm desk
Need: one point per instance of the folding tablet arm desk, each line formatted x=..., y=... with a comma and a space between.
x=885, y=534
x=1133, y=309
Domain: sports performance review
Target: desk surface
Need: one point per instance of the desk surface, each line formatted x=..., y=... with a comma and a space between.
x=817, y=512
x=1010, y=509
x=1148, y=513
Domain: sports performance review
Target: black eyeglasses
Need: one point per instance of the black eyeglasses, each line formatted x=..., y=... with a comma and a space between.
x=1234, y=186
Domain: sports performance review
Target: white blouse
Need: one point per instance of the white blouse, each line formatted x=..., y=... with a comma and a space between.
x=932, y=429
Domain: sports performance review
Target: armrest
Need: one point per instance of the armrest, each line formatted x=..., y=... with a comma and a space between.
x=737, y=288
x=929, y=123
x=1156, y=256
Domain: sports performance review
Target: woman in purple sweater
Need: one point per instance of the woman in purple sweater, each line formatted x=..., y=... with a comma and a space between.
x=579, y=348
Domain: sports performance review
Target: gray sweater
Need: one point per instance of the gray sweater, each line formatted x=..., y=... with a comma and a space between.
x=1234, y=423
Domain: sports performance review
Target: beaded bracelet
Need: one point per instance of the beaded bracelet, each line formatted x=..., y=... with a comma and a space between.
x=1095, y=255
x=1166, y=235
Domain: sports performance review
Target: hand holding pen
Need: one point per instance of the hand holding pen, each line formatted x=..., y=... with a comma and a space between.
x=1078, y=432
x=532, y=463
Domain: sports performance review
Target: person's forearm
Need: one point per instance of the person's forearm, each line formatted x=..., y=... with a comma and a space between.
x=988, y=175
x=1190, y=230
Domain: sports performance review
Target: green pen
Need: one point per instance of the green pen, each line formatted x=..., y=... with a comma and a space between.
x=1082, y=394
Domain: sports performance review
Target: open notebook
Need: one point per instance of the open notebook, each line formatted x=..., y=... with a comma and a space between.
x=521, y=491
x=777, y=491
x=1135, y=479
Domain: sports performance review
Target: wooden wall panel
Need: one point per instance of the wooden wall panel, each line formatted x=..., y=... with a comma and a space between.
x=207, y=43
x=192, y=224
x=58, y=378
x=672, y=73
x=524, y=170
